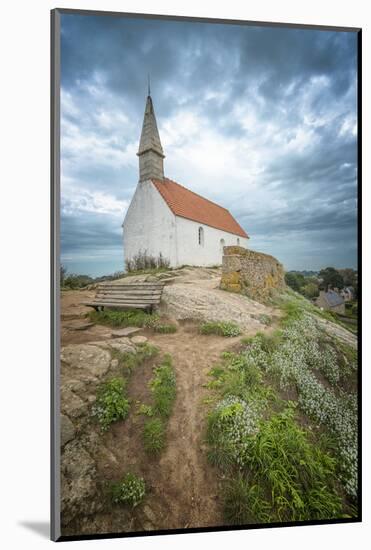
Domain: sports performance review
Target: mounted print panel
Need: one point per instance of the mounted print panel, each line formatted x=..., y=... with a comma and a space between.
x=206, y=279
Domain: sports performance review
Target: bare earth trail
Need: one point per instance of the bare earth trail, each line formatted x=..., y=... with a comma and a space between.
x=183, y=487
x=185, y=479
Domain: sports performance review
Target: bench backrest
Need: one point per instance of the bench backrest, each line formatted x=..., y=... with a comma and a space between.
x=127, y=293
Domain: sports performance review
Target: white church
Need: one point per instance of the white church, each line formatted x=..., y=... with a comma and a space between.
x=168, y=219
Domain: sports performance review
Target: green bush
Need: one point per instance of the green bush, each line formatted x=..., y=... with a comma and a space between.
x=244, y=503
x=230, y=428
x=75, y=282
x=163, y=387
x=154, y=436
x=111, y=404
x=130, y=490
x=297, y=475
x=220, y=328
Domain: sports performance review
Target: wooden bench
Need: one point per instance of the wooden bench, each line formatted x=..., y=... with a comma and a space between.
x=127, y=295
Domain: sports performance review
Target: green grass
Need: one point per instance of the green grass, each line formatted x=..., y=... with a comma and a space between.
x=127, y=318
x=154, y=436
x=220, y=328
x=163, y=391
x=165, y=328
x=132, y=318
x=281, y=466
x=129, y=361
x=129, y=491
x=297, y=475
x=111, y=404
x=163, y=387
x=244, y=503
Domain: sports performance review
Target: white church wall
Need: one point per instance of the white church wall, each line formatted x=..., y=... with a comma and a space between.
x=210, y=251
x=149, y=225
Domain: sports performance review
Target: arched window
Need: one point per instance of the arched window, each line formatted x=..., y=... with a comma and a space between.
x=238, y=241
x=201, y=236
x=222, y=245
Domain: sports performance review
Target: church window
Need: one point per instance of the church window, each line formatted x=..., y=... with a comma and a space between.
x=201, y=236
x=238, y=241
x=222, y=244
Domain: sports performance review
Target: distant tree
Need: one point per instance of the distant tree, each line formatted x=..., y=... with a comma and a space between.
x=350, y=276
x=310, y=290
x=294, y=280
x=74, y=281
x=331, y=278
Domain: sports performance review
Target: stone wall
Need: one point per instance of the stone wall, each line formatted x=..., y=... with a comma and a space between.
x=258, y=276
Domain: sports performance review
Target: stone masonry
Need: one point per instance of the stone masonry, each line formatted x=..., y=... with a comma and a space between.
x=254, y=274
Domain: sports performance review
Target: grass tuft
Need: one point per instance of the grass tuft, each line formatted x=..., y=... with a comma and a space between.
x=128, y=361
x=127, y=318
x=220, y=328
x=154, y=436
x=166, y=328
x=163, y=387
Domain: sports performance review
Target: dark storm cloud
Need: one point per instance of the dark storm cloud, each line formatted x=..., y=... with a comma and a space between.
x=281, y=101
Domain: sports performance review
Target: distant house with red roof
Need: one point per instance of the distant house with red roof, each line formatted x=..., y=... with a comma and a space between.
x=168, y=219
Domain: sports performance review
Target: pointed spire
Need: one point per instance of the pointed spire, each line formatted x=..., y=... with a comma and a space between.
x=150, y=151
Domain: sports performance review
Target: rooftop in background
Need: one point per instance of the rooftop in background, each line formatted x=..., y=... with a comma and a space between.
x=190, y=205
x=333, y=298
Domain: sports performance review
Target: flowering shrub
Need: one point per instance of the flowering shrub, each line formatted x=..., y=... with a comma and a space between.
x=295, y=361
x=282, y=472
x=130, y=490
x=111, y=404
x=230, y=428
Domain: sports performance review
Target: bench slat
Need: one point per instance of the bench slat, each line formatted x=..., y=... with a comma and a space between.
x=132, y=286
x=130, y=305
x=129, y=299
x=124, y=295
x=130, y=292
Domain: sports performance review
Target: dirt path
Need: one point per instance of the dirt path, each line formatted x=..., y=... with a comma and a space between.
x=185, y=477
x=183, y=488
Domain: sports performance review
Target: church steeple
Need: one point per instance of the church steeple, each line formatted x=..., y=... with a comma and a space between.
x=150, y=153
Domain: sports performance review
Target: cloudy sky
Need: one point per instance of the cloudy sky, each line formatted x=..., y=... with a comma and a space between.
x=260, y=120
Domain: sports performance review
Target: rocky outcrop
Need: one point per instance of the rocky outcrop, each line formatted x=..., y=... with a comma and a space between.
x=204, y=301
x=83, y=367
x=254, y=274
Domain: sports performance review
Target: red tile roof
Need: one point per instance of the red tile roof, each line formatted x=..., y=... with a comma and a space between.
x=183, y=202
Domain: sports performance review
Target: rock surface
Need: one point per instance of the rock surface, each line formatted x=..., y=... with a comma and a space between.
x=137, y=340
x=78, y=486
x=125, y=332
x=206, y=302
x=67, y=430
x=87, y=358
x=83, y=368
x=251, y=273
